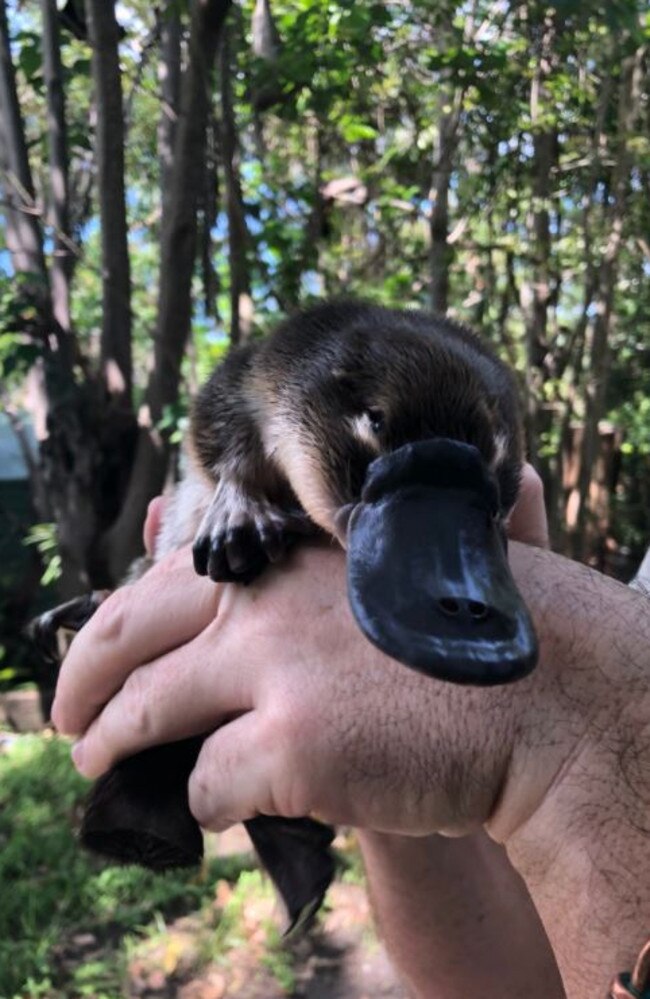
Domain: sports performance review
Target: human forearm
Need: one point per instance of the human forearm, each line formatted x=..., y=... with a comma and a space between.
x=457, y=919
x=585, y=850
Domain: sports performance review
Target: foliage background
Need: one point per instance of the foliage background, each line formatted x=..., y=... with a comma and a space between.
x=177, y=176
x=490, y=160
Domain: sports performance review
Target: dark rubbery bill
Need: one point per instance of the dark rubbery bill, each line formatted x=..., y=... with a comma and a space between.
x=428, y=575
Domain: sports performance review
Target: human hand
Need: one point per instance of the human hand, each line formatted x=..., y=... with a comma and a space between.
x=196, y=677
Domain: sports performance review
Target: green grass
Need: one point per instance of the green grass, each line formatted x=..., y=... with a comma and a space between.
x=51, y=890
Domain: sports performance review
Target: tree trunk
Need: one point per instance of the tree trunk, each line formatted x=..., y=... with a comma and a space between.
x=266, y=40
x=208, y=218
x=116, y=283
x=169, y=75
x=62, y=261
x=440, y=253
x=178, y=253
x=178, y=250
x=24, y=238
x=70, y=487
x=596, y=385
x=238, y=237
x=266, y=45
x=450, y=105
x=537, y=293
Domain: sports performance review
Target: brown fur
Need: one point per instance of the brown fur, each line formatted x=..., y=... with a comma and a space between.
x=288, y=423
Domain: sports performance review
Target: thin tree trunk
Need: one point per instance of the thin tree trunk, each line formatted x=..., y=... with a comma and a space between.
x=596, y=385
x=444, y=153
x=62, y=261
x=440, y=253
x=178, y=254
x=24, y=232
x=266, y=45
x=572, y=359
x=266, y=39
x=209, y=208
x=169, y=75
x=116, y=283
x=238, y=236
x=537, y=294
x=68, y=453
x=178, y=251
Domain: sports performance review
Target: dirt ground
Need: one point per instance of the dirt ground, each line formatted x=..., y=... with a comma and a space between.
x=340, y=959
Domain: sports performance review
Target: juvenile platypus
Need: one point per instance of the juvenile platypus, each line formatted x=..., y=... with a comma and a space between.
x=283, y=432
x=317, y=429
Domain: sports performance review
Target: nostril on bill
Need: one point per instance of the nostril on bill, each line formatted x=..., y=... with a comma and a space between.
x=477, y=609
x=449, y=606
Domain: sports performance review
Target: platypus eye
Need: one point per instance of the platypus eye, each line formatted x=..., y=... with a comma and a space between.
x=376, y=418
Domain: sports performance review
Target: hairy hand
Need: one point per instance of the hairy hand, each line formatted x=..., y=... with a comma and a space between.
x=308, y=716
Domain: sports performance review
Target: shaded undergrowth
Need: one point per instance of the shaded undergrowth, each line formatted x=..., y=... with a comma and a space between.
x=54, y=896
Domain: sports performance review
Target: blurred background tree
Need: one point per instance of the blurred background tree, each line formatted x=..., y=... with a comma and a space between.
x=176, y=176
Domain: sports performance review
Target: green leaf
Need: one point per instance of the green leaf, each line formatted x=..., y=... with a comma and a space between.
x=354, y=130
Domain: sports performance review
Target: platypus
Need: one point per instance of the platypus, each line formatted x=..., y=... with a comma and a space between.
x=284, y=430
x=317, y=429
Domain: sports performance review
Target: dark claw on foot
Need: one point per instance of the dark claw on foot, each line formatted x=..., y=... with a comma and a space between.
x=200, y=555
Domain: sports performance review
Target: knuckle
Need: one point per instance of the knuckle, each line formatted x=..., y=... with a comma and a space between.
x=108, y=621
x=200, y=797
x=286, y=738
x=297, y=797
x=532, y=482
x=278, y=735
x=536, y=486
x=135, y=704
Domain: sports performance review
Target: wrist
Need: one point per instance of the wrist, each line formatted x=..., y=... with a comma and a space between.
x=584, y=856
x=573, y=809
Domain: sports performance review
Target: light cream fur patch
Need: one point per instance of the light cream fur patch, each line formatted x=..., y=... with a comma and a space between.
x=361, y=427
x=291, y=452
x=500, y=451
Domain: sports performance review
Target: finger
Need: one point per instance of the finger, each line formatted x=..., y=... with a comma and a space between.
x=233, y=777
x=151, y=528
x=169, y=606
x=169, y=699
x=528, y=522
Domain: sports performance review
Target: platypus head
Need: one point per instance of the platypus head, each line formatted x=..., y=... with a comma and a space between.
x=398, y=378
x=430, y=458
x=401, y=434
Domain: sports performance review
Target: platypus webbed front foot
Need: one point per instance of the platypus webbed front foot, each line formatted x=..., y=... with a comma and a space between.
x=428, y=575
x=239, y=535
